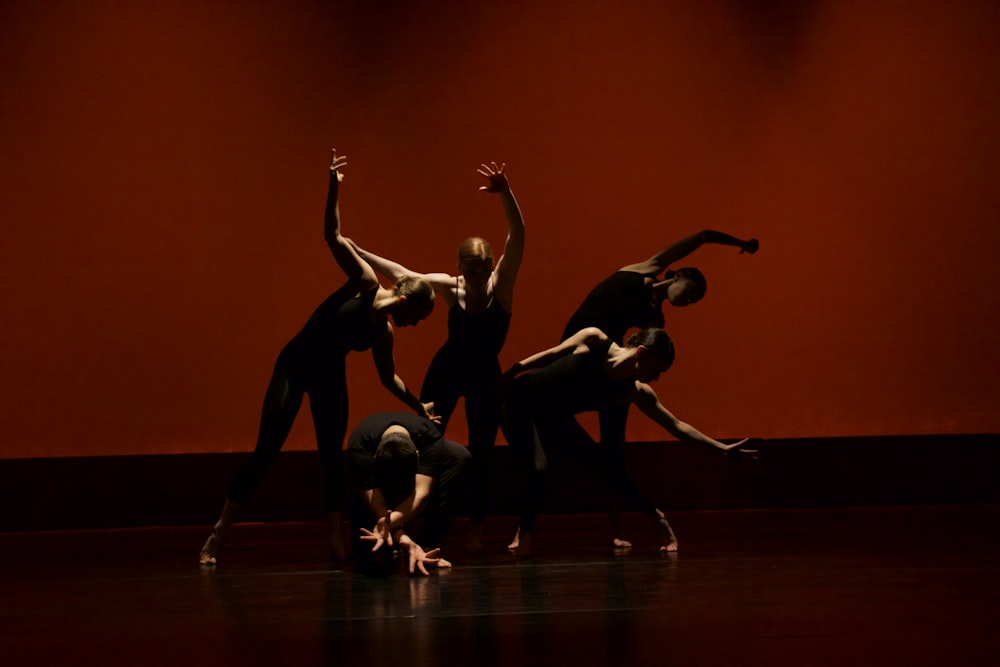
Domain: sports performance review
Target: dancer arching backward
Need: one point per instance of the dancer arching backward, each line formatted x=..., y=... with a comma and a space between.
x=633, y=297
x=355, y=317
x=401, y=468
x=480, y=302
x=587, y=372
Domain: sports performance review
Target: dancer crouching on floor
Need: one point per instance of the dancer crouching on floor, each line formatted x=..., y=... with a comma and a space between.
x=402, y=469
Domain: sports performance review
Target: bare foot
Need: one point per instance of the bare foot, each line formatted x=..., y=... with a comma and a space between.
x=668, y=541
x=210, y=550
x=620, y=547
x=522, y=544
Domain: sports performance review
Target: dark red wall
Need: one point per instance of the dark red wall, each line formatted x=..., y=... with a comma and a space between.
x=164, y=171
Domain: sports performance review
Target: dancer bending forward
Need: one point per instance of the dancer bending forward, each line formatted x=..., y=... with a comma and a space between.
x=586, y=373
x=354, y=318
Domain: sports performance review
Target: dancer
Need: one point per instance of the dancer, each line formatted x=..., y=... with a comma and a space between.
x=633, y=298
x=587, y=372
x=355, y=317
x=480, y=302
x=403, y=468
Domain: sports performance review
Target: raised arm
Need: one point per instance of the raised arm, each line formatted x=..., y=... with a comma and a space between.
x=505, y=272
x=444, y=285
x=357, y=269
x=681, y=249
x=647, y=401
x=385, y=365
x=581, y=341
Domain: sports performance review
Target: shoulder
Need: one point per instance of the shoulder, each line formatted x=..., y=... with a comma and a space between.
x=589, y=338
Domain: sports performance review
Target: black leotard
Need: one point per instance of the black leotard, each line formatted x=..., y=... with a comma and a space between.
x=467, y=365
x=544, y=402
x=620, y=302
x=313, y=362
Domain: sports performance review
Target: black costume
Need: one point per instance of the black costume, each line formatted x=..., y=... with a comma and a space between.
x=438, y=458
x=622, y=301
x=544, y=402
x=468, y=365
x=313, y=362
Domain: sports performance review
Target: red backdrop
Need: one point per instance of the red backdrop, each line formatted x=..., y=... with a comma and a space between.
x=164, y=175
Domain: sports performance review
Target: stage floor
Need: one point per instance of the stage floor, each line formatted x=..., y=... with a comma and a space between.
x=877, y=586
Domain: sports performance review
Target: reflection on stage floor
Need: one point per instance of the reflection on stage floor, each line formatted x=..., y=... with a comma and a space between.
x=877, y=586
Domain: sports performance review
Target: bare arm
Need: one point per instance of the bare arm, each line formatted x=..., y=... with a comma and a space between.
x=391, y=521
x=581, y=341
x=647, y=401
x=681, y=249
x=385, y=365
x=357, y=269
x=414, y=504
x=443, y=284
x=505, y=273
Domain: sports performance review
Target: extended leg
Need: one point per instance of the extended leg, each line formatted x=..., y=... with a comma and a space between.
x=329, y=407
x=281, y=405
x=482, y=409
x=613, y=420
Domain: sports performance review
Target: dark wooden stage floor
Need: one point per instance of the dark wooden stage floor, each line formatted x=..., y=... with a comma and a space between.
x=879, y=586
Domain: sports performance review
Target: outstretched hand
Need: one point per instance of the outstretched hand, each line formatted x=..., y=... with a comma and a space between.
x=497, y=179
x=381, y=534
x=420, y=559
x=337, y=162
x=738, y=451
x=751, y=246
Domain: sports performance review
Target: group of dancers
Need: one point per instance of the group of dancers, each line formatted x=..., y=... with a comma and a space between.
x=400, y=466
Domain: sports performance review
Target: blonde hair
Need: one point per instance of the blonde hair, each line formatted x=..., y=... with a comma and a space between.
x=475, y=250
x=418, y=291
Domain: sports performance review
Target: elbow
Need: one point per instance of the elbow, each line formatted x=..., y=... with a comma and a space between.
x=389, y=382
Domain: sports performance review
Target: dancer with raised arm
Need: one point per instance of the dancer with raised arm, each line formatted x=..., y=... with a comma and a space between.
x=587, y=372
x=633, y=298
x=356, y=317
x=480, y=301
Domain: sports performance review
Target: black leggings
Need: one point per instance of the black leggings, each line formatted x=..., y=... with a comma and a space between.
x=533, y=434
x=447, y=379
x=327, y=389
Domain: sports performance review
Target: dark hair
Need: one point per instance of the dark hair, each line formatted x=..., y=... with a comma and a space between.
x=695, y=276
x=418, y=292
x=395, y=467
x=656, y=341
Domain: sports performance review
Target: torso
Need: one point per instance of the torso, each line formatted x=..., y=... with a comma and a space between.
x=623, y=301
x=575, y=383
x=344, y=322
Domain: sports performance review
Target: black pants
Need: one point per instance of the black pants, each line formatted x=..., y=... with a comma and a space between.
x=326, y=383
x=534, y=434
x=450, y=377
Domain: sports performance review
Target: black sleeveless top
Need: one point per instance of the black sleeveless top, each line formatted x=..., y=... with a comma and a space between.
x=572, y=384
x=341, y=324
x=618, y=303
x=477, y=338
